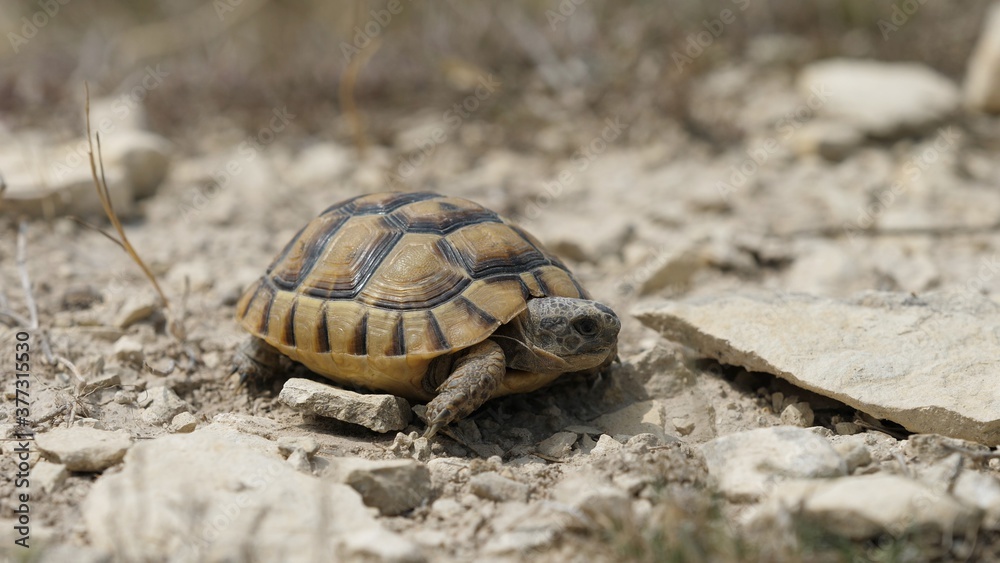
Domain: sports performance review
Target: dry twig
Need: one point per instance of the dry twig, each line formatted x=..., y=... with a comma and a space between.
x=105, y=196
x=348, y=82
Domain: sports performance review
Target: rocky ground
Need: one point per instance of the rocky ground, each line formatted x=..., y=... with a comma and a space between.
x=807, y=352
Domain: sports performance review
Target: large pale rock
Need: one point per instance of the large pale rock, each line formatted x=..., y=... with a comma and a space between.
x=747, y=465
x=928, y=363
x=881, y=99
x=217, y=494
x=45, y=178
x=381, y=413
x=982, y=78
x=865, y=506
x=84, y=449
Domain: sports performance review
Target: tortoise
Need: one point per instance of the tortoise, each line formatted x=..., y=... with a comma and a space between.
x=427, y=297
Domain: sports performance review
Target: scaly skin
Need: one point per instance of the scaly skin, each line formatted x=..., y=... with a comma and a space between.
x=476, y=377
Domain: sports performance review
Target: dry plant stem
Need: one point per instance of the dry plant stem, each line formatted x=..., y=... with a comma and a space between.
x=348, y=81
x=107, y=235
x=71, y=367
x=105, y=196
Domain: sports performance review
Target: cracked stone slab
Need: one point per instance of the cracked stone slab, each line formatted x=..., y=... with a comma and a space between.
x=928, y=363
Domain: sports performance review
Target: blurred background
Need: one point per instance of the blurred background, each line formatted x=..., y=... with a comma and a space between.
x=664, y=149
x=227, y=59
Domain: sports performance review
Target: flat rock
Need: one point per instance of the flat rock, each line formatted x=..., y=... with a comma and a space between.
x=84, y=449
x=928, y=363
x=381, y=413
x=881, y=99
x=391, y=486
x=866, y=506
x=217, y=494
x=982, y=77
x=746, y=465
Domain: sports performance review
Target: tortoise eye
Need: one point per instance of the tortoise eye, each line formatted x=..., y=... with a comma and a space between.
x=585, y=326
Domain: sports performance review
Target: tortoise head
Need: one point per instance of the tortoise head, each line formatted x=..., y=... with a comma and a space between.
x=565, y=335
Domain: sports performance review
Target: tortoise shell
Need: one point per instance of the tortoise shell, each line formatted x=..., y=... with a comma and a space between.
x=373, y=289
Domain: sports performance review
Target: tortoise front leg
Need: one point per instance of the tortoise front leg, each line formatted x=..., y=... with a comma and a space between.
x=475, y=378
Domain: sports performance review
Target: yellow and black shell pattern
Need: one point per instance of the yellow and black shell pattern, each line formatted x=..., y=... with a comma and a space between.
x=377, y=286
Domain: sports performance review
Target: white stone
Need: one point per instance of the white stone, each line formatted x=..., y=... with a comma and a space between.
x=183, y=422
x=981, y=491
x=878, y=352
x=137, y=307
x=248, y=500
x=846, y=428
x=84, y=449
x=865, y=506
x=747, y=465
x=391, y=486
x=798, y=414
x=879, y=98
x=493, y=486
x=557, y=445
x=854, y=451
x=381, y=413
x=163, y=405
x=47, y=477
x=982, y=77
x=128, y=350
x=600, y=501
x=144, y=156
x=606, y=445
x=45, y=180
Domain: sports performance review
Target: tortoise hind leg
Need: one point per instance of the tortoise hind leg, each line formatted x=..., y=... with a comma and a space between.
x=474, y=380
x=257, y=361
